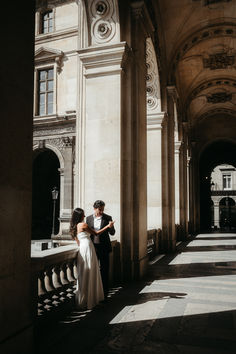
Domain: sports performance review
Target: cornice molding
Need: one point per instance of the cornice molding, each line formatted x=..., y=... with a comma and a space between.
x=104, y=60
x=45, y=55
x=52, y=36
x=155, y=120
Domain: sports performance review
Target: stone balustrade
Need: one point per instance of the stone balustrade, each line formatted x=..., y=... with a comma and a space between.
x=54, y=275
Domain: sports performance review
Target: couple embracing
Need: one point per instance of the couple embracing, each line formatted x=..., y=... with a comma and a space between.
x=94, y=244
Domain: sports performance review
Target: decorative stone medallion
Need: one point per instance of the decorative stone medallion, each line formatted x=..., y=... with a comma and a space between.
x=103, y=17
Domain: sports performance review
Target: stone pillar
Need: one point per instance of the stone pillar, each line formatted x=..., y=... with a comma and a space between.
x=141, y=29
x=168, y=178
x=112, y=154
x=154, y=170
x=193, y=193
x=67, y=188
x=184, y=190
x=216, y=214
x=16, y=111
x=177, y=182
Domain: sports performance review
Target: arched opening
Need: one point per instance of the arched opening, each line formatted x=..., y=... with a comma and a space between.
x=217, y=162
x=227, y=214
x=45, y=177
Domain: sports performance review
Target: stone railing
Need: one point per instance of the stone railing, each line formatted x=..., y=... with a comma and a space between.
x=226, y=193
x=54, y=275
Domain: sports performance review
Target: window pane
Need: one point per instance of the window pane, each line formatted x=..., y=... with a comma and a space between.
x=50, y=74
x=50, y=97
x=41, y=99
x=50, y=85
x=50, y=108
x=42, y=75
x=42, y=86
x=41, y=110
x=50, y=14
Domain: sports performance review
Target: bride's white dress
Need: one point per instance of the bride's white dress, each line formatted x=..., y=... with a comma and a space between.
x=89, y=285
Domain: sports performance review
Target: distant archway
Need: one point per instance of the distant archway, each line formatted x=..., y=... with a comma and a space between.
x=45, y=177
x=217, y=153
x=227, y=214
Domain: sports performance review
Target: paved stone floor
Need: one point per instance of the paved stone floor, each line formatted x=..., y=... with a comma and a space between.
x=186, y=304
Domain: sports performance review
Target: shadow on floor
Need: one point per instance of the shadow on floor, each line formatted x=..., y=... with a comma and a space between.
x=178, y=308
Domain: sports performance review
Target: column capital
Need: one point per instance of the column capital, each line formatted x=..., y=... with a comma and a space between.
x=155, y=120
x=178, y=145
x=104, y=60
x=140, y=12
x=173, y=93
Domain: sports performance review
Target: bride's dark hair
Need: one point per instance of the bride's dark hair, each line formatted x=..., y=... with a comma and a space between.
x=77, y=216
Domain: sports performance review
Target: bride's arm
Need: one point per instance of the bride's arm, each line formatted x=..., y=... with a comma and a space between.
x=94, y=232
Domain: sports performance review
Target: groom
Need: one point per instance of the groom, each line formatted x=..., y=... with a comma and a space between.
x=101, y=242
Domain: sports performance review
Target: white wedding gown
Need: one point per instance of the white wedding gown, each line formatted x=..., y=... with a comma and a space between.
x=89, y=285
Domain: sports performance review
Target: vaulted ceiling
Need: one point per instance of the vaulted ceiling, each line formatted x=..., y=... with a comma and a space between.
x=199, y=37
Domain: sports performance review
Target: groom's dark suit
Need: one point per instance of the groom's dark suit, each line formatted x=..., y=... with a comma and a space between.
x=103, y=248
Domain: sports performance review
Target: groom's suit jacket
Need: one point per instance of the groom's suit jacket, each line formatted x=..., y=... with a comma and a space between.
x=105, y=241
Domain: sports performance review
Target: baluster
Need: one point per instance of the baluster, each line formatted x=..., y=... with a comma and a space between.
x=70, y=273
x=42, y=293
x=57, y=285
x=75, y=273
x=49, y=287
x=69, y=276
x=64, y=280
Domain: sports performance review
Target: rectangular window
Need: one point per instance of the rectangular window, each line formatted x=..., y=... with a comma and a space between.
x=47, y=22
x=45, y=92
x=227, y=181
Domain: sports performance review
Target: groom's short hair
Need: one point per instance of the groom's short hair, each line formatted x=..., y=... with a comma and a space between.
x=98, y=204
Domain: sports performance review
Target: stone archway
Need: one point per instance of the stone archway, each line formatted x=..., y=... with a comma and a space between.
x=45, y=177
x=217, y=153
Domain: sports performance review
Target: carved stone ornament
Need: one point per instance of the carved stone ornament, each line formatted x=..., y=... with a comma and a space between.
x=152, y=79
x=224, y=30
x=219, y=97
x=103, y=17
x=218, y=61
x=61, y=143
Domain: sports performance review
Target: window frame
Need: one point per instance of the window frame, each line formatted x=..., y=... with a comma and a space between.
x=224, y=175
x=46, y=58
x=45, y=92
x=42, y=21
x=39, y=21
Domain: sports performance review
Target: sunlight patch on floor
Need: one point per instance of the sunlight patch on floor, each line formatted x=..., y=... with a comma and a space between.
x=182, y=297
x=204, y=257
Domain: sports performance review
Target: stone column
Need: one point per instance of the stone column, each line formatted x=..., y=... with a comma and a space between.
x=16, y=111
x=216, y=214
x=67, y=182
x=168, y=177
x=183, y=185
x=112, y=135
x=154, y=169
x=177, y=182
x=141, y=29
x=193, y=194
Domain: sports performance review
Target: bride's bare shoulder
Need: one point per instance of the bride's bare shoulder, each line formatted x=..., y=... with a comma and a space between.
x=82, y=226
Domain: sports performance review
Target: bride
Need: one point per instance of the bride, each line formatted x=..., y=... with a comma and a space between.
x=89, y=285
